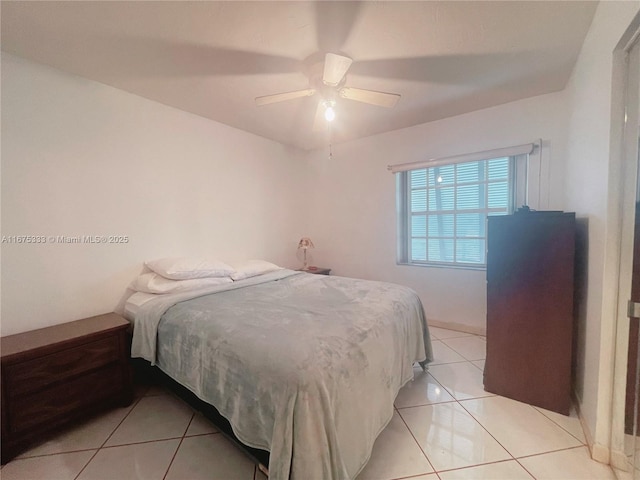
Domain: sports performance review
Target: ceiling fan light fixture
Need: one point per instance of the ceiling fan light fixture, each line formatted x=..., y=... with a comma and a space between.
x=329, y=111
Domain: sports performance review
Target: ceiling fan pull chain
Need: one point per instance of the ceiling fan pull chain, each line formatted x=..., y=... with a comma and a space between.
x=330, y=141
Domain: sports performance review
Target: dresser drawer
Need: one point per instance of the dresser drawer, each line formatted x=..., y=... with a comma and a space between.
x=35, y=374
x=43, y=407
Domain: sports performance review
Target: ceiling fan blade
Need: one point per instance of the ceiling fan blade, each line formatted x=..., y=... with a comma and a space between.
x=334, y=23
x=454, y=69
x=319, y=122
x=335, y=68
x=381, y=99
x=281, y=97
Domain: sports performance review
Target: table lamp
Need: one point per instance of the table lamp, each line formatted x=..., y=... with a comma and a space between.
x=304, y=244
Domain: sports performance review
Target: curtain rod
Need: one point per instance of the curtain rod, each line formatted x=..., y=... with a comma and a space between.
x=468, y=157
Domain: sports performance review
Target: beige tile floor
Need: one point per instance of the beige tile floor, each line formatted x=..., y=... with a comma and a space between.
x=445, y=427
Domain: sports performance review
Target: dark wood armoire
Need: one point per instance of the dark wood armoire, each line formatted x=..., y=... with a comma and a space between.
x=530, y=285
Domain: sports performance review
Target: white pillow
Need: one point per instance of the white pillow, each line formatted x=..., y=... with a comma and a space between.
x=184, y=268
x=153, y=283
x=251, y=268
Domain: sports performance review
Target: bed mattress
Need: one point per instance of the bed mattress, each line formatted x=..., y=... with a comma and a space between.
x=306, y=367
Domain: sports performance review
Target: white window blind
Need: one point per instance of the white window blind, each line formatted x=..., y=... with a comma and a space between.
x=442, y=209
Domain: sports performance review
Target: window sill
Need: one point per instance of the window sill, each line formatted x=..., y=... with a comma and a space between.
x=481, y=268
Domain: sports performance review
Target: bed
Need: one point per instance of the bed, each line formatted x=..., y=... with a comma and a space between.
x=306, y=367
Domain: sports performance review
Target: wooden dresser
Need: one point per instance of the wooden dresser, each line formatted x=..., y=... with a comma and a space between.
x=530, y=285
x=59, y=374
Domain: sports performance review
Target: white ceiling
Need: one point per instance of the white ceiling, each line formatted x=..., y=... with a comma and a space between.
x=214, y=58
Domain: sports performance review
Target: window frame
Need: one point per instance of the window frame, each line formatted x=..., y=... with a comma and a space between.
x=517, y=182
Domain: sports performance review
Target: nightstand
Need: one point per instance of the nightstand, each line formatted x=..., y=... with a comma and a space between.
x=316, y=270
x=55, y=375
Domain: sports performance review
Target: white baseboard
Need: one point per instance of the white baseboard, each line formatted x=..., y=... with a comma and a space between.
x=458, y=327
x=599, y=453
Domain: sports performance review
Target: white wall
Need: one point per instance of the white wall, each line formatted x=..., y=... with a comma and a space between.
x=353, y=201
x=82, y=158
x=589, y=193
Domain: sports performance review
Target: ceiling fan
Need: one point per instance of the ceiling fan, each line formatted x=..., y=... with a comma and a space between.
x=330, y=86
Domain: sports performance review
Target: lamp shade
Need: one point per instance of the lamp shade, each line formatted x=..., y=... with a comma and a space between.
x=305, y=242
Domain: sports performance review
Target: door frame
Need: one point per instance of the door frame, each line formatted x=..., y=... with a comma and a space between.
x=623, y=172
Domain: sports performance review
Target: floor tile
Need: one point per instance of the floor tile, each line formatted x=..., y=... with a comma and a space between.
x=519, y=427
x=90, y=434
x=440, y=333
x=471, y=348
x=153, y=418
x=450, y=432
x=423, y=390
x=622, y=475
x=210, y=457
x=509, y=470
x=570, y=423
x=462, y=380
x=451, y=437
x=395, y=454
x=50, y=467
x=444, y=354
x=573, y=464
x=479, y=364
x=154, y=390
x=428, y=476
x=148, y=461
x=200, y=425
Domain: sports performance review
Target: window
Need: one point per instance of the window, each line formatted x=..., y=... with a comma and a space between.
x=443, y=209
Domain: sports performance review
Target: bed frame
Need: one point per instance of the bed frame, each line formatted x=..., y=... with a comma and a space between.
x=145, y=373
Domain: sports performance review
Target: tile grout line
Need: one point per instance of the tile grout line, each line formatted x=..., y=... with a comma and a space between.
x=495, y=462
x=546, y=453
x=542, y=413
x=135, y=404
x=525, y=469
x=453, y=399
x=425, y=405
x=143, y=442
x=417, y=443
x=552, y=451
x=475, y=464
x=397, y=409
x=52, y=454
x=81, y=449
x=484, y=464
x=489, y=394
x=464, y=360
x=415, y=476
x=523, y=456
x=467, y=359
x=484, y=428
x=458, y=334
x=517, y=459
x=513, y=458
x=581, y=442
x=193, y=415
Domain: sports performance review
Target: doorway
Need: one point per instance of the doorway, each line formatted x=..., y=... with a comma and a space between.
x=629, y=284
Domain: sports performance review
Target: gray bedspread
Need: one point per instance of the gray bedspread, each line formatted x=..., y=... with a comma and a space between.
x=304, y=366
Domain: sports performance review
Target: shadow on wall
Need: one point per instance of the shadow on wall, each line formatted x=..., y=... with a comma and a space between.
x=581, y=288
